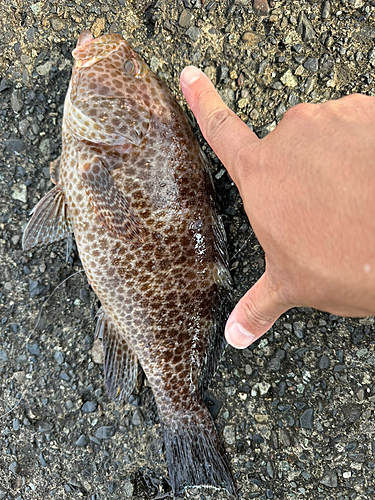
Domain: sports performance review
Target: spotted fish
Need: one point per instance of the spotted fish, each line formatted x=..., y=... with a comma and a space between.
x=133, y=186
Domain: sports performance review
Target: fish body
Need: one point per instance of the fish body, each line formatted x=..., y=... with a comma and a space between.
x=132, y=184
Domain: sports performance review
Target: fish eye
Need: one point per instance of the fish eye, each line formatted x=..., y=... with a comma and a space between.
x=129, y=67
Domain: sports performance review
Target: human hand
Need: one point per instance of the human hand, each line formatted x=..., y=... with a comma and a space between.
x=308, y=189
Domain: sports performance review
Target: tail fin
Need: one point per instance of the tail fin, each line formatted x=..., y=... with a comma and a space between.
x=196, y=457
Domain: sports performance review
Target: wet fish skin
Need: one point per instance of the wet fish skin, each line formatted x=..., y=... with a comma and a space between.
x=133, y=184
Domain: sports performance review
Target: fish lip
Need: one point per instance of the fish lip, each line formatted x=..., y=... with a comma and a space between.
x=84, y=38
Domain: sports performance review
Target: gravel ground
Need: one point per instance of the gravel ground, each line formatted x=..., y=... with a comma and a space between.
x=296, y=411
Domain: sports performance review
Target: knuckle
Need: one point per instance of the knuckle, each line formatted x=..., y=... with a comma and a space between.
x=353, y=97
x=283, y=295
x=300, y=111
x=255, y=316
x=217, y=121
x=244, y=157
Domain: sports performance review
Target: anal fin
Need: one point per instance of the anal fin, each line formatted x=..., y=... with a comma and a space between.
x=108, y=202
x=217, y=344
x=50, y=221
x=120, y=361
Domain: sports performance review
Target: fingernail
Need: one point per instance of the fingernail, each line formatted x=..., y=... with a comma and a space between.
x=189, y=75
x=238, y=336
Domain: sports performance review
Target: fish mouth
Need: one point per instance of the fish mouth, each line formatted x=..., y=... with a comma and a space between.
x=84, y=38
x=90, y=50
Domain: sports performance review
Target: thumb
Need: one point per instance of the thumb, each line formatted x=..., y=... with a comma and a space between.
x=254, y=314
x=225, y=132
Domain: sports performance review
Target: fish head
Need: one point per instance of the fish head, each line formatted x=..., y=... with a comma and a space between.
x=90, y=50
x=107, y=101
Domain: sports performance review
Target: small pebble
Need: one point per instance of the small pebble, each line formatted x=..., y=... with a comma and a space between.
x=193, y=33
x=89, y=406
x=262, y=66
x=297, y=47
x=69, y=404
x=23, y=126
x=254, y=114
x=251, y=38
x=270, y=470
x=81, y=441
x=19, y=192
x=288, y=79
x=261, y=7
x=98, y=27
x=280, y=110
x=210, y=71
x=43, y=463
x=186, y=18
x=263, y=387
x=352, y=412
x=3, y=355
x=305, y=28
x=307, y=418
x=134, y=400
x=298, y=328
x=324, y=362
x=16, y=100
x=59, y=357
x=14, y=145
x=20, y=376
x=229, y=434
x=45, y=427
x=309, y=84
x=284, y=466
x=33, y=349
x=105, y=432
x=97, y=352
x=84, y=295
x=137, y=417
x=326, y=9
x=311, y=64
x=330, y=479
x=13, y=467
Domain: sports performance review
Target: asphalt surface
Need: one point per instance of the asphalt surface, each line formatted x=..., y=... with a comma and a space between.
x=295, y=411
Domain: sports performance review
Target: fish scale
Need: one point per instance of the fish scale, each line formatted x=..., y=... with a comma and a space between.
x=134, y=186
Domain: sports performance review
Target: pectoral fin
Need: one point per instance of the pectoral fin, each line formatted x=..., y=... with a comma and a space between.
x=88, y=120
x=120, y=361
x=108, y=202
x=50, y=221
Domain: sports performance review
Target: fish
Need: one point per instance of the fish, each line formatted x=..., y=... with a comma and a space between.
x=134, y=187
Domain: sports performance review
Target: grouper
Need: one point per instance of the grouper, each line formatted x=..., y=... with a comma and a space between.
x=133, y=185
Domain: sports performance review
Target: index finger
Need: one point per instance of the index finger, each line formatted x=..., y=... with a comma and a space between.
x=224, y=131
